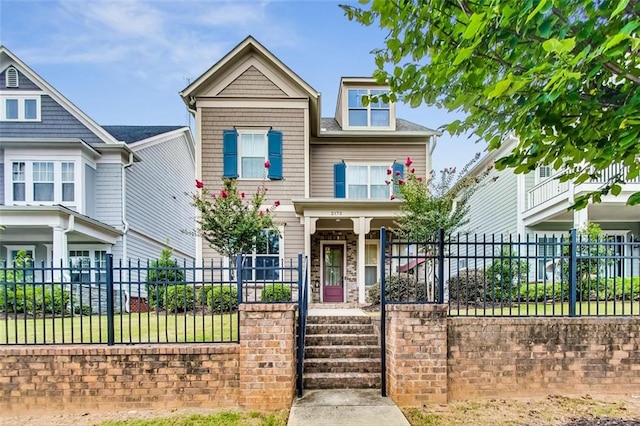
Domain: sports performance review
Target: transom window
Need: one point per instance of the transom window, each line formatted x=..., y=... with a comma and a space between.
x=20, y=108
x=375, y=114
x=43, y=182
x=252, y=154
x=264, y=263
x=367, y=181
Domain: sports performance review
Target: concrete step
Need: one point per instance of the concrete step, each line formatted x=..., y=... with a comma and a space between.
x=336, y=319
x=342, y=381
x=341, y=339
x=342, y=365
x=342, y=351
x=340, y=329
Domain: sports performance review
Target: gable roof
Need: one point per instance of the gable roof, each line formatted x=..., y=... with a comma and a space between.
x=131, y=134
x=7, y=58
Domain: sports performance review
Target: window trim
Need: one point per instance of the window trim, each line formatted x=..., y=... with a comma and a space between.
x=376, y=244
x=388, y=166
x=346, y=109
x=29, y=180
x=253, y=255
x=92, y=249
x=252, y=131
x=21, y=97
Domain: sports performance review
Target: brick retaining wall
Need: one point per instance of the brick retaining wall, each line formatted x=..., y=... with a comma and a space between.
x=502, y=357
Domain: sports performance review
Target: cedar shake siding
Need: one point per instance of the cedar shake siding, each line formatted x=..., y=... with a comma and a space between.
x=323, y=157
x=252, y=83
x=290, y=122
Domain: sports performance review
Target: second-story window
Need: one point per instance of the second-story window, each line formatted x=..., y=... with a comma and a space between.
x=42, y=182
x=252, y=155
x=374, y=114
x=366, y=181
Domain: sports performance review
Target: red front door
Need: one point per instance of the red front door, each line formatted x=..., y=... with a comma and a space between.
x=333, y=273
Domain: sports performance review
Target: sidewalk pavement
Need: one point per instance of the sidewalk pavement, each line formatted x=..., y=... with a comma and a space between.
x=345, y=407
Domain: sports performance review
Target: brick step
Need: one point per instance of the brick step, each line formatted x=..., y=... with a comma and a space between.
x=342, y=381
x=339, y=329
x=334, y=319
x=342, y=351
x=341, y=365
x=341, y=339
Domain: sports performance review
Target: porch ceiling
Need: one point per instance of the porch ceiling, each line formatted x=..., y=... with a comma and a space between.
x=342, y=208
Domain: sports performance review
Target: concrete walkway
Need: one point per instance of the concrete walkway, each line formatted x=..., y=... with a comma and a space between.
x=345, y=407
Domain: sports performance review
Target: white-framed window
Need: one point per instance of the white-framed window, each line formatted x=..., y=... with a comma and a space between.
x=368, y=181
x=11, y=78
x=549, y=249
x=42, y=182
x=87, y=265
x=20, y=108
x=374, y=114
x=543, y=173
x=371, y=261
x=264, y=263
x=252, y=153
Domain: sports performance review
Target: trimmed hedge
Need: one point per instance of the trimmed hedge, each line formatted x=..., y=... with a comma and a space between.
x=222, y=299
x=179, y=298
x=34, y=300
x=276, y=293
x=467, y=287
x=399, y=288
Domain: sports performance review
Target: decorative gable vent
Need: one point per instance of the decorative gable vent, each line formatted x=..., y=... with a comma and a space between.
x=11, y=77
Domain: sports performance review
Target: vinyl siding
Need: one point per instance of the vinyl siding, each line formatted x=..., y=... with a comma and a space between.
x=108, y=194
x=493, y=208
x=23, y=81
x=140, y=247
x=323, y=157
x=90, y=190
x=56, y=122
x=157, y=204
x=289, y=121
x=1, y=182
x=252, y=83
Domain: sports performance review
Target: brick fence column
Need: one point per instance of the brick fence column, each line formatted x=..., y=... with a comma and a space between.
x=267, y=356
x=417, y=354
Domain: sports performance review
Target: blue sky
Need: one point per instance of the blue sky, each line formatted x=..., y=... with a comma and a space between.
x=124, y=62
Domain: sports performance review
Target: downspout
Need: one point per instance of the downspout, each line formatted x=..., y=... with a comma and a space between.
x=65, y=248
x=432, y=147
x=125, y=224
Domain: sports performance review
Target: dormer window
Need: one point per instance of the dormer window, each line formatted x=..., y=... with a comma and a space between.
x=374, y=114
x=11, y=78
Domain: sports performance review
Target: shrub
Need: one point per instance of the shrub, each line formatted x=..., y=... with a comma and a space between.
x=163, y=273
x=31, y=299
x=540, y=292
x=399, y=288
x=276, y=293
x=223, y=299
x=467, y=287
x=619, y=289
x=180, y=298
x=204, y=295
x=505, y=275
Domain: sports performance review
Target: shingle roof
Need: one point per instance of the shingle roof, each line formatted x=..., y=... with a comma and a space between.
x=329, y=124
x=131, y=134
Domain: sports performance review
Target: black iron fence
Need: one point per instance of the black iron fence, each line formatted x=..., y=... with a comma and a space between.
x=138, y=302
x=497, y=275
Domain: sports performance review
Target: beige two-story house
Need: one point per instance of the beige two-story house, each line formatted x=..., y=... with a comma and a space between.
x=327, y=173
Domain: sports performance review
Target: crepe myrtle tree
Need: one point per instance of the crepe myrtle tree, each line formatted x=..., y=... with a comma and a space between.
x=231, y=221
x=440, y=200
x=563, y=75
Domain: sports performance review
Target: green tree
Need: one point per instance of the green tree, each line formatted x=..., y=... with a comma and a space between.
x=231, y=221
x=163, y=272
x=439, y=201
x=564, y=75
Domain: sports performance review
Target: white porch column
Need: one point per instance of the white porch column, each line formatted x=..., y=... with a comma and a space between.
x=309, y=230
x=361, y=227
x=60, y=252
x=580, y=218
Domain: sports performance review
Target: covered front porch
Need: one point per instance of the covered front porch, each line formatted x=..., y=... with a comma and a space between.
x=342, y=240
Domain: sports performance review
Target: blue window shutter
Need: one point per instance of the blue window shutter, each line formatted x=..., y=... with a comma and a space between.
x=339, y=180
x=274, y=138
x=230, y=154
x=397, y=167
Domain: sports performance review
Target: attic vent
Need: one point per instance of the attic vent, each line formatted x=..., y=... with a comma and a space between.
x=11, y=77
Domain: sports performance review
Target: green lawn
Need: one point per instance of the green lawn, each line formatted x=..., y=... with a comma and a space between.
x=148, y=327
x=225, y=418
x=610, y=308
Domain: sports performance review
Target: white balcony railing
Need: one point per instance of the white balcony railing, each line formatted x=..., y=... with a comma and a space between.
x=552, y=187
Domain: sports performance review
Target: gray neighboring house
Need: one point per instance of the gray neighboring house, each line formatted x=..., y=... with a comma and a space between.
x=72, y=191
x=536, y=205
